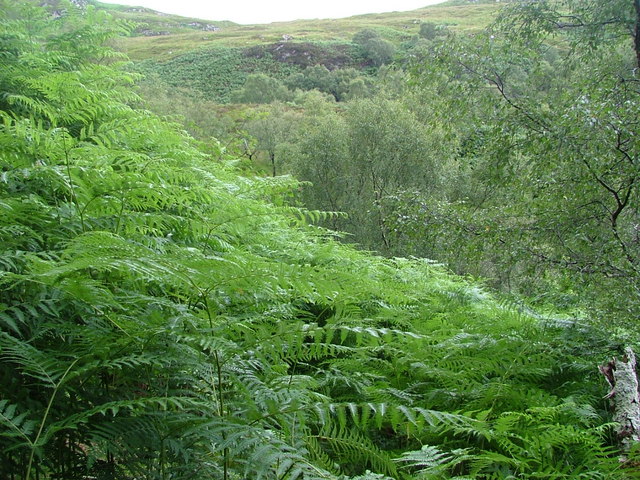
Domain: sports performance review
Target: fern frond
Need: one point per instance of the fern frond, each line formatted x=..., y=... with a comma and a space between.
x=30, y=361
x=16, y=424
x=349, y=446
x=430, y=460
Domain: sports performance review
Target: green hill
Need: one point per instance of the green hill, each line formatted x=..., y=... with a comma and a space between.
x=183, y=54
x=210, y=59
x=160, y=36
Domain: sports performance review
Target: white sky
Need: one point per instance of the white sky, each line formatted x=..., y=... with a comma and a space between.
x=267, y=11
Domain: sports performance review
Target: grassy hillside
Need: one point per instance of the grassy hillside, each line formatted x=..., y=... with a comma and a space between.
x=178, y=36
x=150, y=20
x=211, y=59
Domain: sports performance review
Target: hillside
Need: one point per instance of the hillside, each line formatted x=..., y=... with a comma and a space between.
x=160, y=36
x=212, y=60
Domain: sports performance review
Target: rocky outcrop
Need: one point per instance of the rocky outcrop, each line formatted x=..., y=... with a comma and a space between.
x=304, y=54
x=207, y=27
x=153, y=33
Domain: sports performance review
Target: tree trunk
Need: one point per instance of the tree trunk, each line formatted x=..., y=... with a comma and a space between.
x=623, y=379
x=272, y=157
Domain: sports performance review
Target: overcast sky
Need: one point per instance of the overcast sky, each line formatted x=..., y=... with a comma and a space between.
x=267, y=11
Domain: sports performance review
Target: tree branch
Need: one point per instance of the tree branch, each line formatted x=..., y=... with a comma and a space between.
x=580, y=24
x=499, y=84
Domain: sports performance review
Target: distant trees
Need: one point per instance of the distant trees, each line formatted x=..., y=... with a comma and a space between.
x=357, y=159
x=261, y=88
x=430, y=30
x=374, y=48
x=342, y=84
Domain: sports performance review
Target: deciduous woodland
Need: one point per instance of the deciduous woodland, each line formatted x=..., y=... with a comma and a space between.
x=406, y=250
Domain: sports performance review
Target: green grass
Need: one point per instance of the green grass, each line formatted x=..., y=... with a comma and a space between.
x=154, y=19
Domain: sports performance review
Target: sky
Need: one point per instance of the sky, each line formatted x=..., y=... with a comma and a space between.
x=267, y=11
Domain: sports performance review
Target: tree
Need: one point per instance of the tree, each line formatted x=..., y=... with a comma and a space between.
x=354, y=162
x=430, y=30
x=320, y=157
x=374, y=48
x=274, y=126
x=261, y=88
x=557, y=147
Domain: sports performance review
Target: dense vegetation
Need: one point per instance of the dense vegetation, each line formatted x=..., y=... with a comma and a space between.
x=163, y=316
x=509, y=155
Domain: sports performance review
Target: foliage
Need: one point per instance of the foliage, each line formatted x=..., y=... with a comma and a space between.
x=214, y=73
x=260, y=88
x=163, y=317
x=374, y=48
x=547, y=113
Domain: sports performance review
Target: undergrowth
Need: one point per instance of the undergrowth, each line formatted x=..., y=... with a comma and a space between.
x=214, y=73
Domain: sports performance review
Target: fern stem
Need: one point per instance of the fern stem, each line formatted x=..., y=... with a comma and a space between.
x=44, y=418
x=163, y=460
x=225, y=460
x=74, y=197
x=283, y=476
x=279, y=412
x=120, y=214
